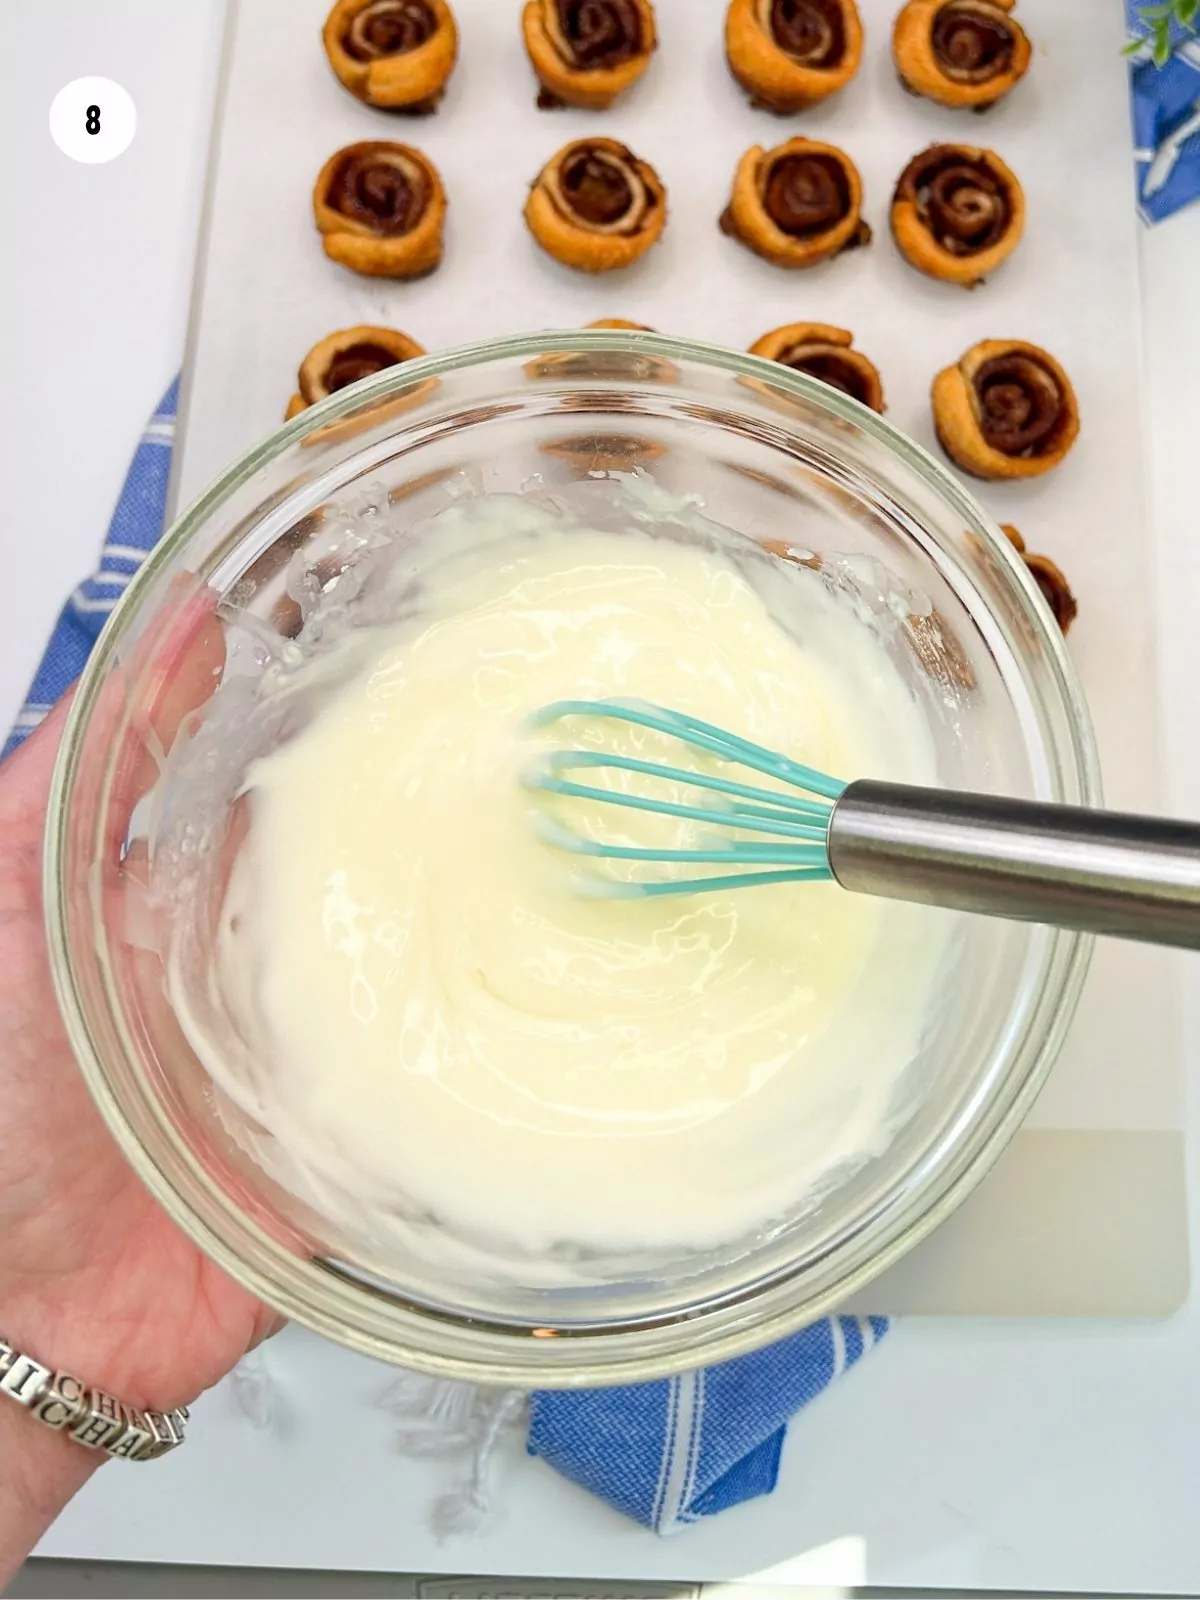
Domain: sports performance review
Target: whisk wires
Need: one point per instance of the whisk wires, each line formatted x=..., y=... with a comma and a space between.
x=800, y=821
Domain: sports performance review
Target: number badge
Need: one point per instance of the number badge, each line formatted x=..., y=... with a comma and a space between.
x=93, y=120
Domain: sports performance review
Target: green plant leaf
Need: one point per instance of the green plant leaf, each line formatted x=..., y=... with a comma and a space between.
x=1183, y=11
x=1159, y=20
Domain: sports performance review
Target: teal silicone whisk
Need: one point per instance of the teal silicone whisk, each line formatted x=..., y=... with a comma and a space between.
x=1107, y=872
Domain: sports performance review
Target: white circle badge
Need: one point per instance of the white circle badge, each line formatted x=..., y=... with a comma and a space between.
x=93, y=120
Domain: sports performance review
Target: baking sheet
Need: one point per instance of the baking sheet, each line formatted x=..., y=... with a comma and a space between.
x=266, y=292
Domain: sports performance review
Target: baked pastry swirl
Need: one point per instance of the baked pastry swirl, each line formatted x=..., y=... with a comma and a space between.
x=789, y=54
x=595, y=206
x=380, y=209
x=797, y=204
x=344, y=357
x=961, y=53
x=587, y=52
x=825, y=353
x=1049, y=579
x=957, y=213
x=1005, y=410
x=396, y=54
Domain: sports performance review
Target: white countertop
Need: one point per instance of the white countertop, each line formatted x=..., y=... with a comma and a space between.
x=964, y=1454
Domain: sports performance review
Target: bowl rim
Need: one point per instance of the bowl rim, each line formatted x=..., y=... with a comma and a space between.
x=493, y=1353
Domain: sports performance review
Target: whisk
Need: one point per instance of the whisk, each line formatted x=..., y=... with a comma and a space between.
x=1132, y=877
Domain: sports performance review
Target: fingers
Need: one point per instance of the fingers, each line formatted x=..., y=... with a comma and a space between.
x=175, y=668
x=25, y=776
x=142, y=709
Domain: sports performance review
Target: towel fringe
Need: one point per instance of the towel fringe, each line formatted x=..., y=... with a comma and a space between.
x=256, y=1393
x=438, y=1418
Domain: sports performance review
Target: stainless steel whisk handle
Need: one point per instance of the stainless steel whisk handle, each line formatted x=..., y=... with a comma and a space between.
x=1106, y=872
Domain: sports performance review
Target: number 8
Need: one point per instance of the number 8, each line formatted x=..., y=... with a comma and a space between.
x=92, y=122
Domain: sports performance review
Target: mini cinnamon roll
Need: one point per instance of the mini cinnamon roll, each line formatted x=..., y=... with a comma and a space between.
x=1006, y=410
x=596, y=207
x=797, y=204
x=396, y=54
x=824, y=352
x=1049, y=579
x=343, y=358
x=967, y=53
x=957, y=213
x=788, y=54
x=587, y=52
x=380, y=209
x=619, y=322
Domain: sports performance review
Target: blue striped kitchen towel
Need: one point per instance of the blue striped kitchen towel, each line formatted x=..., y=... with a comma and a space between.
x=665, y=1453
x=673, y=1452
x=1166, y=114
x=134, y=530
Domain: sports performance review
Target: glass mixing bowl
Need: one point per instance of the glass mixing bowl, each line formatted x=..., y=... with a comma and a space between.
x=781, y=460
